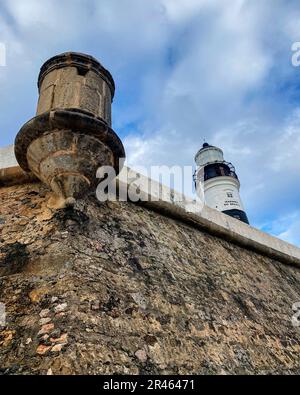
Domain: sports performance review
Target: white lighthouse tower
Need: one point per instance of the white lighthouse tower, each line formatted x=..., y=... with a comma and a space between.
x=219, y=181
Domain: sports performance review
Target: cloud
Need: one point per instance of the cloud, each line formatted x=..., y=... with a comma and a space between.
x=181, y=11
x=292, y=233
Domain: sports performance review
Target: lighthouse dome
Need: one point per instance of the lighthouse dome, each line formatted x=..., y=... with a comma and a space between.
x=208, y=154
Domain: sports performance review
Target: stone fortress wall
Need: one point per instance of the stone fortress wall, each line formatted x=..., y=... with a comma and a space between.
x=141, y=288
x=161, y=286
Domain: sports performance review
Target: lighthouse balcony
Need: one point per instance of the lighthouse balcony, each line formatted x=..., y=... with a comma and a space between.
x=219, y=169
x=216, y=169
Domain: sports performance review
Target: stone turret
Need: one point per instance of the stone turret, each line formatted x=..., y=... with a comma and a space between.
x=71, y=135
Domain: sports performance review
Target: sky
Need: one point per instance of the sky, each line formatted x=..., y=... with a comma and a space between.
x=185, y=71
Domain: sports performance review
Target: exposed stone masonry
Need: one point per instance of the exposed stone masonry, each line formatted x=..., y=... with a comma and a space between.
x=116, y=288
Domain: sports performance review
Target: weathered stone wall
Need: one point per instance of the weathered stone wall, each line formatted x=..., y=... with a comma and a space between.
x=117, y=288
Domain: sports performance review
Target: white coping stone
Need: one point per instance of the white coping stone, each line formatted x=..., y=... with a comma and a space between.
x=7, y=157
x=249, y=232
x=159, y=192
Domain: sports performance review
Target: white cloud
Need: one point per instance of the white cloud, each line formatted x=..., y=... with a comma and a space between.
x=27, y=13
x=286, y=147
x=179, y=11
x=292, y=233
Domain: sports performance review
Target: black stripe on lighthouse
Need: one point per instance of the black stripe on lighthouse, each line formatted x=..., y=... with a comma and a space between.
x=238, y=214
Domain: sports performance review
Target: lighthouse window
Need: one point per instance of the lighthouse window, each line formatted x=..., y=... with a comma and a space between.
x=229, y=194
x=216, y=170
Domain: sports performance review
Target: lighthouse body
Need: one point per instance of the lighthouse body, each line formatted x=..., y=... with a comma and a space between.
x=220, y=182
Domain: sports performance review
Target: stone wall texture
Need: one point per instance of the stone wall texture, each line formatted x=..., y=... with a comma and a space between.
x=116, y=288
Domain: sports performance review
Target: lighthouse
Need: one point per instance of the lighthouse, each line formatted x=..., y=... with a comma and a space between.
x=219, y=181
